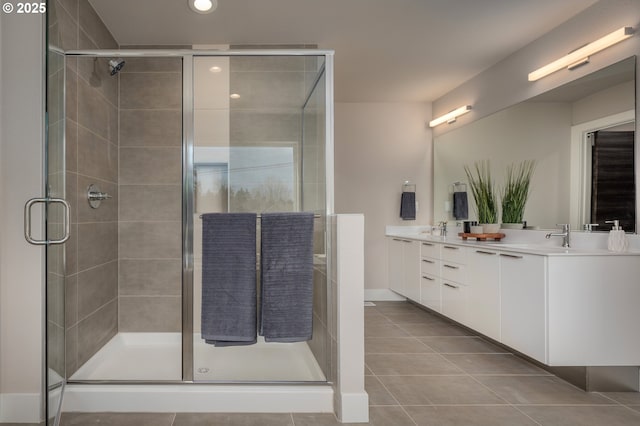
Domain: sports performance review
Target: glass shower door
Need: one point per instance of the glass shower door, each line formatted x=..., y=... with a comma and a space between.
x=57, y=220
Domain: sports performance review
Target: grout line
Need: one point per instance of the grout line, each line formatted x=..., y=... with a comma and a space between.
x=173, y=420
x=609, y=398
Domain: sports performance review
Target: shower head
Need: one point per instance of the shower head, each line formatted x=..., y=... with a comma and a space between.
x=115, y=65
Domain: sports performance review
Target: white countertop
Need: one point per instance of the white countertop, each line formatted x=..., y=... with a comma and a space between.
x=543, y=248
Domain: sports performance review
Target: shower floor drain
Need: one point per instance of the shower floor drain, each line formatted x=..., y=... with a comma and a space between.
x=203, y=370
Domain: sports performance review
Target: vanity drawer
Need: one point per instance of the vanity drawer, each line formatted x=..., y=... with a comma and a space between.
x=429, y=249
x=453, y=253
x=430, y=291
x=453, y=272
x=430, y=266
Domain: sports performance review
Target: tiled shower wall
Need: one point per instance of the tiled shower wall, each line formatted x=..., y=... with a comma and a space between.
x=91, y=137
x=150, y=187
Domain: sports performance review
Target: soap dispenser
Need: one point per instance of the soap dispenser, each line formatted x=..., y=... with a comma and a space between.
x=617, y=238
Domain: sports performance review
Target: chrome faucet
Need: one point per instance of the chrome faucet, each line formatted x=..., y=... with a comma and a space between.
x=443, y=228
x=566, y=233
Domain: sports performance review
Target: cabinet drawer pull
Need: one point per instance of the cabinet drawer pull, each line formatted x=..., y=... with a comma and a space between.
x=428, y=278
x=451, y=266
x=513, y=256
x=485, y=252
x=406, y=241
x=397, y=239
x=451, y=285
x=427, y=244
x=452, y=247
x=428, y=261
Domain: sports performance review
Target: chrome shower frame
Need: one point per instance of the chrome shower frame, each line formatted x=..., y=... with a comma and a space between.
x=188, y=56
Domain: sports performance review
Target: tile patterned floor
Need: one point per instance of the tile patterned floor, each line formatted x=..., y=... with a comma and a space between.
x=423, y=370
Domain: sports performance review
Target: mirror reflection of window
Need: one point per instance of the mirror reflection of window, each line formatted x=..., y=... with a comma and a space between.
x=612, y=177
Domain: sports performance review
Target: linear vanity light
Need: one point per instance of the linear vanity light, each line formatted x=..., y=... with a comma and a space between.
x=581, y=55
x=451, y=116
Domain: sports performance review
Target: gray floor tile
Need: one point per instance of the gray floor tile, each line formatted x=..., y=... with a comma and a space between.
x=539, y=390
x=233, y=419
x=495, y=415
x=315, y=419
x=22, y=424
x=117, y=419
x=378, y=395
x=383, y=330
x=428, y=390
x=397, y=308
x=399, y=345
x=461, y=344
x=409, y=364
x=413, y=318
x=582, y=416
x=376, y=318
x=367, y=371
x=634, y=407
x=434, y=329
x=493, y=364
x=389, y=416
x=626, y=398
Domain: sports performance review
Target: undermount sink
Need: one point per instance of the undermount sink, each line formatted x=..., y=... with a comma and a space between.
x=530, y=246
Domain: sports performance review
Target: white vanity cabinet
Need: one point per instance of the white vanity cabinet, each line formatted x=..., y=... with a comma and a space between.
x=456, y=296
x=430, y=282
x=523, y=321
x=404, y=267
x=562, y=308
x=483, y=270
x=594, y=310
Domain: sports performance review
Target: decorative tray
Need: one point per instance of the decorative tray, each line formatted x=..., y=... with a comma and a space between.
x=482, y=237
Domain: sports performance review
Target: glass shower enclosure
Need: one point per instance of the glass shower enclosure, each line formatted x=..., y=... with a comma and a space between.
x=167, y=137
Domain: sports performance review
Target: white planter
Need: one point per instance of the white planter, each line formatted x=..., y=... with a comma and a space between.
x=491, y=228
x=511, y=226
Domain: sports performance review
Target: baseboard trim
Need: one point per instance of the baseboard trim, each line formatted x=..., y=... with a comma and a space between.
x=382, y=295
x=20, y=408
x=198, y=398
x=353, y=408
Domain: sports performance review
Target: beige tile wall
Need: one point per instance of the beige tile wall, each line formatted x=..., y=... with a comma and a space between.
x=150, y=190
x=91, y=138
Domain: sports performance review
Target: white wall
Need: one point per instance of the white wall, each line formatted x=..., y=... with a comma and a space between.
x=506, y=83
x=377, y=147
x=21, y=265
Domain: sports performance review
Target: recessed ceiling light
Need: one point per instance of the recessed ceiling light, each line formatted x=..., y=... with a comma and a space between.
x=203, y=6
x=215, y=69
x=234, y=96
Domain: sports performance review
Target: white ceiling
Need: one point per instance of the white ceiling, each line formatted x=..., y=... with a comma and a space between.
x=386, y=50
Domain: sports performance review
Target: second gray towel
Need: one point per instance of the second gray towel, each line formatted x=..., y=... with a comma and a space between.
x=408, y=206
x=229, y=278
x=460, y=205
x=287, y=277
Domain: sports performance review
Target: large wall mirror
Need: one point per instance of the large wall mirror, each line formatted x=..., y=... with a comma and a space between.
x=582, y=137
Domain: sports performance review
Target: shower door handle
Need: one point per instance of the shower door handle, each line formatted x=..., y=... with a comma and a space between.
x=27, y=220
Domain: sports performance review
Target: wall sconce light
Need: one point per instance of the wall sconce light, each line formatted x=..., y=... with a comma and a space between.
x=451, y=116
x=581, y=56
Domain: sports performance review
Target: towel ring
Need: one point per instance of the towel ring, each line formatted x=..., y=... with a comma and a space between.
x=408, y=187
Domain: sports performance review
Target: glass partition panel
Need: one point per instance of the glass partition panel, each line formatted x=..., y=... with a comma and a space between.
x=248, y=157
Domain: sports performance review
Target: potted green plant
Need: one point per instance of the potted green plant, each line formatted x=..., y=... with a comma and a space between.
x=482, y=189
x=516, y=192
